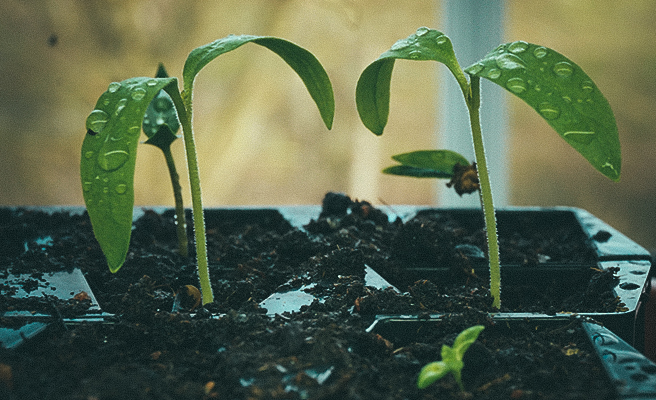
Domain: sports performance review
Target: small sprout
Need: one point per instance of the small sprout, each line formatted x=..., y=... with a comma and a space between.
x=451, y=359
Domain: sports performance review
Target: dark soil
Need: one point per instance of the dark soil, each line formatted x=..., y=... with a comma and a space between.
x=231, y=349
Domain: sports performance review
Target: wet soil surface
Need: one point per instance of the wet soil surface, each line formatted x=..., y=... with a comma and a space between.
x=231, y=349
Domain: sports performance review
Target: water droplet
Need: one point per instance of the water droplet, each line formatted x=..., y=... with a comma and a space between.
x=540, y=52
x=587, y=86
x=113, y=87
x=121, y=188
x=415, y=54
x=105, y=189
x=106, y=102
x=563, y=69
x=134, y=129
x=509, y=61
x=475, y=69
x=493, y=73
x=441, y=39
x=86, y=186
x=567, y=99
x=516, y=85
x=518, y=47
x=422, y=31
x=548, y=110
x=400, y=44
x=583, y=137
x=112, y=160
x=97, y=120
x=88, y=154
x=138, y=93
x=151, y=82
x=120, y=106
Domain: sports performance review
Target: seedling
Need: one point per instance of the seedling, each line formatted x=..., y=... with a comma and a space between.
x=550, y=83
x=161, y=125
x=451, y=360
x=113, y=128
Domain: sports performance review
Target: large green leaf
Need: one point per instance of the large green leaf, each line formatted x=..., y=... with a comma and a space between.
x=300, y=60
x=373, y=89
x=426, y=164
x=108, y=160
x=562, y=94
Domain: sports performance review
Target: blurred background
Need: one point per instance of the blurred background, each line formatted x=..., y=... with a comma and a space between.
x=261, y=139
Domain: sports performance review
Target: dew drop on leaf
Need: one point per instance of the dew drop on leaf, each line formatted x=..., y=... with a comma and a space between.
x=151, y=82
x=114, y=87
x=112, y=160
x=441, y=39
x=548, y=110
x=563, y=69
x=97, y=120
x=120, y=106
x=121, y=188
x=422, y=31
x=518, y=47
x=88, y=154
x=509, y=61
x=138, y=93
x=540, y=52
x=516, y=85
x=579, y=136
x=587, y=86
x=86, y=186
x=493, y=73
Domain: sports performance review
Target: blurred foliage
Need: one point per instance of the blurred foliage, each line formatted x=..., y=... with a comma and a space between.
x=57, y=56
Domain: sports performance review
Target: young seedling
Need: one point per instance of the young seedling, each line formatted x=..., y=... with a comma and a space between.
x=451, y=360
x=113, y=128
x=550, y=83
x=161, y=125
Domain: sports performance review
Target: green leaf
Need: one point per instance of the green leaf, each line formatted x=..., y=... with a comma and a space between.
x=432, y=372
x=427, y=164
x=465, y=339
x=373, y=90
x=300, y=60
x=108, y=160
x=562, y=94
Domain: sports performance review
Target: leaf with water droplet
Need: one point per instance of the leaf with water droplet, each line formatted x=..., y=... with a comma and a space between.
x=304, y=63
x=426, y=164
x=563, y=95
x=108, y=160
x=373, y=90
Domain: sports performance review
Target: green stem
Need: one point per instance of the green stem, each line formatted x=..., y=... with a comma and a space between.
x=196, y=202
x=473, y=104
x=181, y=221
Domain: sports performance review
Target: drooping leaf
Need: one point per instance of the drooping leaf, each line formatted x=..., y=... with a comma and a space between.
x=108, y=160
x=562, y=94
x=300, y=60
x=426, y=164
x=373, y=88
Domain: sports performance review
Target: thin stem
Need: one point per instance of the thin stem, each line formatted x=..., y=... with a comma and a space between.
x=473, y=104
x=181, y=221
x=196, y=202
